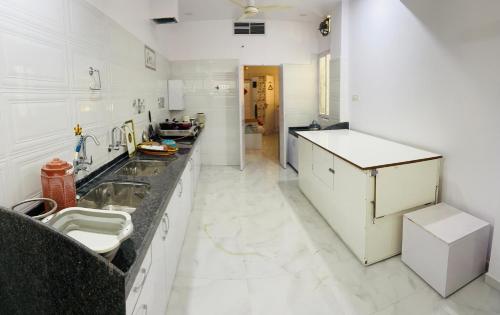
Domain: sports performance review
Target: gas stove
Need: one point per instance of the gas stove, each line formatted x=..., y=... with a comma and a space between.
x=178, y=132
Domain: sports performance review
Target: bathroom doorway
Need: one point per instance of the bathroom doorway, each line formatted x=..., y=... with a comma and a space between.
x=262, y=107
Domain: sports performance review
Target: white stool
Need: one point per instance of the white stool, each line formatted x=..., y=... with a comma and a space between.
x=446, y=247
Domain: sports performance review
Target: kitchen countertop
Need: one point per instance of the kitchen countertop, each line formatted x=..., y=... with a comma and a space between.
x=147, y=216
x=365, y=151
x=293, y=130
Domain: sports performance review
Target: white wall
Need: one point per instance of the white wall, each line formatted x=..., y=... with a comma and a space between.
x=46, y=48
x=284, y=42
x=426, y=73
x=134, y=16
x=221, y=135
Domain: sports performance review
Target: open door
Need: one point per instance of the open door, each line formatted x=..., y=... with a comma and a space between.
x=241, y=102
x=283, y=128
x=299, y=100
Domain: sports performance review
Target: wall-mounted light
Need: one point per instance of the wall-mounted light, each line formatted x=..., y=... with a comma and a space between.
x=325, y=26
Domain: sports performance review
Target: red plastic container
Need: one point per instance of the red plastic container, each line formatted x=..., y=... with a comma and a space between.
x=58, y=183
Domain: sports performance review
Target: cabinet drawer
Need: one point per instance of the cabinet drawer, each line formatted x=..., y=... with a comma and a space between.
x=140, y=279
x=323, y=166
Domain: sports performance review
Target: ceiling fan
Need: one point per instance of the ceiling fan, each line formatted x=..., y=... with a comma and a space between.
x=250, y=8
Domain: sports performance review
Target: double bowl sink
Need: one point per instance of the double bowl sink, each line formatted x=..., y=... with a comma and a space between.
x=123, y=196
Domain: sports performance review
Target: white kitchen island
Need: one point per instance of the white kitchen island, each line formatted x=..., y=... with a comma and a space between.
x=362, y=185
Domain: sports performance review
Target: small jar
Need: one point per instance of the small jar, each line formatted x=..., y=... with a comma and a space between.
x=58, y=183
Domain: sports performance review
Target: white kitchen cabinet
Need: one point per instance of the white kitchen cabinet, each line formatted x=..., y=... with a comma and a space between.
x=176, y=220
x=175, y=95
x=195, y=167
x=159, y=270
x=153, y=284
x=362, y=185
x=292, y=155
x=134, y=296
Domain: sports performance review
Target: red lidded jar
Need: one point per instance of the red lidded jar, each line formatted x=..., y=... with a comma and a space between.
x=58, y=183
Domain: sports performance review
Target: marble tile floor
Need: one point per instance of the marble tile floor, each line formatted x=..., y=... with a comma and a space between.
x=256, y=246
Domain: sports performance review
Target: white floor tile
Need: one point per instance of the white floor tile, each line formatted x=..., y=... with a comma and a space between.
x=255, y=245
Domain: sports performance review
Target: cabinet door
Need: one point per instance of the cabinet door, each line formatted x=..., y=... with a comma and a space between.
x=158, y=272
x=289, y=149
x=347, y=213
x=403, y=187
x=323, y=168
x=139, y=282
x=192, y=170
x=186, y=198
x=147, y=304
x=171, y=227
x=305, y=166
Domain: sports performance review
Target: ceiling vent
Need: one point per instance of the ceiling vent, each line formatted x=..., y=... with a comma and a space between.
x=166, y=20
x=164, y=11
x=249, y=28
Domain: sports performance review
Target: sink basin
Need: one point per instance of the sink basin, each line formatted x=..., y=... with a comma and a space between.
x=117, y=196
x=143, y=168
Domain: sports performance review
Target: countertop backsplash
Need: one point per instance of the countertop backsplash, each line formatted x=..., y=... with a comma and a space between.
x=47, y=49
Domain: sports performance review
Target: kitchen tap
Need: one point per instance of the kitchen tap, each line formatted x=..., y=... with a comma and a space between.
x=81, y=162
x=117, y=144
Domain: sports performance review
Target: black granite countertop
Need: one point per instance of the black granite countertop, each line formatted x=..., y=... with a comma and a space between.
x=147, y=216
x=293, y=130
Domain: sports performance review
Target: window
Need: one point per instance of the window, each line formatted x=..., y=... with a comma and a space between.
x=324, y=84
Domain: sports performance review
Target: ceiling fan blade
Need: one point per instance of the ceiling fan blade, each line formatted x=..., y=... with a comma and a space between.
x=244, y=17
x=274, y=7
x=240, y=3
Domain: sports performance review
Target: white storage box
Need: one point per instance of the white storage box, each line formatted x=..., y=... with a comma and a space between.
x=446, y=247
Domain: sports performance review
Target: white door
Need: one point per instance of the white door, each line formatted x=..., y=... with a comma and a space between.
x=283, y=129
x=241, y=101
x=299, y=100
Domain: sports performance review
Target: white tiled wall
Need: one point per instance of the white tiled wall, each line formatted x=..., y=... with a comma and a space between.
x=46, y=49
x=221, y=135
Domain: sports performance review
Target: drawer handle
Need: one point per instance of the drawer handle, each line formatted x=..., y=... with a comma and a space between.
x=182, y=187
x=145, y=308
x=166, y=225
x=139, y=287
x=331, y=170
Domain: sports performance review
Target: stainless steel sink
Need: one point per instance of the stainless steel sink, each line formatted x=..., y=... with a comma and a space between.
x=143, y=168
x=118, y=196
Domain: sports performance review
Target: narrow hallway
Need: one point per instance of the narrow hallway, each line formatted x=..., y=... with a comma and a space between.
x=256, y=246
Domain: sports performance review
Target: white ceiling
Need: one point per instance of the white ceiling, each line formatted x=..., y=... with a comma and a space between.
x=303, y=10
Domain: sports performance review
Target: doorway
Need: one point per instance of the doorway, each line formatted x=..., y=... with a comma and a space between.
x=262, y=101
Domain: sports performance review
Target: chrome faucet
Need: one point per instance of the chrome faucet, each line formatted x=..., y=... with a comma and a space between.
x=81, y=162
x=117, y=144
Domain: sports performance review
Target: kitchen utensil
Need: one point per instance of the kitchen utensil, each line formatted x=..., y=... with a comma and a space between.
x=58, y=183
x=102, y=231
x=155, y=148
x=151, y=130
x=314, y=126
x=130, y=137
x=201, y=118
x=145, y=136
x=51, y=210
